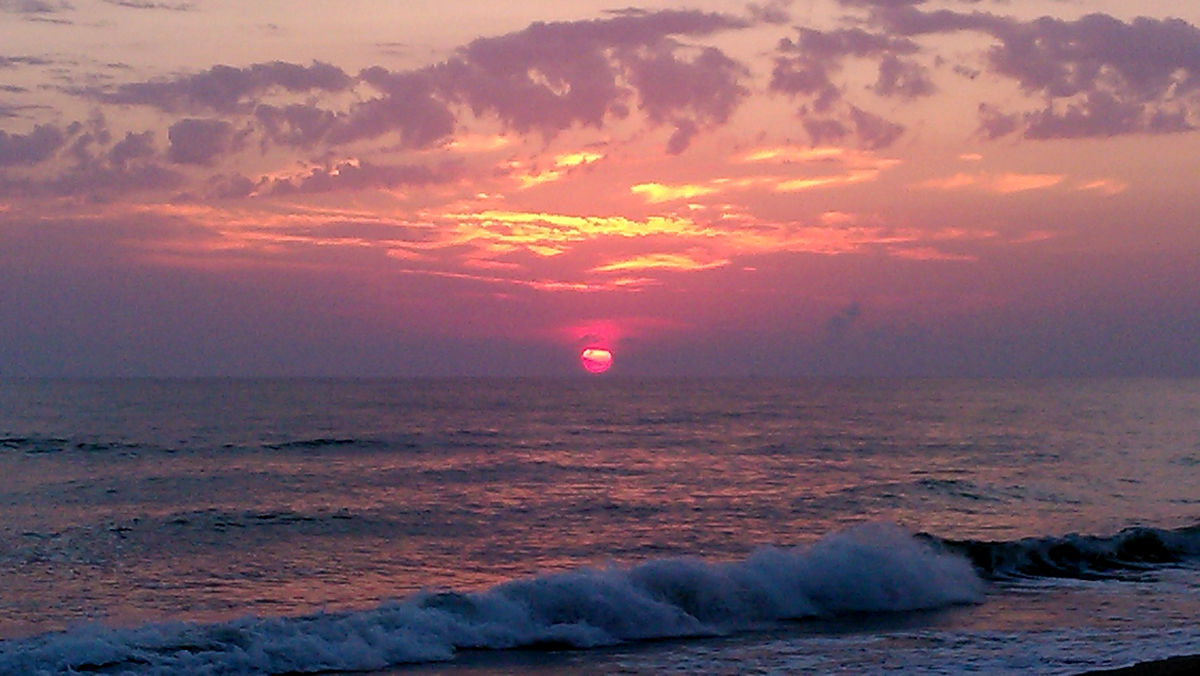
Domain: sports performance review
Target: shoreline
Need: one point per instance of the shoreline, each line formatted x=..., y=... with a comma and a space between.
x=1170, y=666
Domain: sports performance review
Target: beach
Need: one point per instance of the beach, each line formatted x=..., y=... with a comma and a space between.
x=1171, y=666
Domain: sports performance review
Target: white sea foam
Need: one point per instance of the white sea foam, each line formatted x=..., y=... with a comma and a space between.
x=876, y=568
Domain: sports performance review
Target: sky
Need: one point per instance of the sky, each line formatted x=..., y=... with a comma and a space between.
x=1000, y=188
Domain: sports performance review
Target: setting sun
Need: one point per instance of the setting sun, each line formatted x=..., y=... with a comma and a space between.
x=596, y=359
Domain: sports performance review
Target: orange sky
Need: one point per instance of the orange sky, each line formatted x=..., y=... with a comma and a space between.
x=831, y=187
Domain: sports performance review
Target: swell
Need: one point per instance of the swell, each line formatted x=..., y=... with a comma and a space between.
x=874, y=568
x=1130, y=552
x=34, y=445
x=37, y=445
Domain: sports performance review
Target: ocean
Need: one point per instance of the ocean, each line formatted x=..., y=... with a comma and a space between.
x=597, y=525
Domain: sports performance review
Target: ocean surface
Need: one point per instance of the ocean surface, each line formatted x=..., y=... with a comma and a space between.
x=597, y=525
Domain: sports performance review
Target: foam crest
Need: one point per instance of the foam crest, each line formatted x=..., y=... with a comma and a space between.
x=873, y=568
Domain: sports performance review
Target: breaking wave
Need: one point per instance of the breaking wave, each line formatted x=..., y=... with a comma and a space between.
x=1130, y=552
x=874, y=568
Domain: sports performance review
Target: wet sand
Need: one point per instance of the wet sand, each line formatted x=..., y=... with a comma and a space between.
x=1172, y=666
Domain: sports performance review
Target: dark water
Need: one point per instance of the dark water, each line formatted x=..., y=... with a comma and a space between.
x=597, y=525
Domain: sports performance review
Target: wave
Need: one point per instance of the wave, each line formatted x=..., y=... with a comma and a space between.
x=320, y=443
x=34, y=445
x=1130, y=552
x=37, y=445
x=873, y=568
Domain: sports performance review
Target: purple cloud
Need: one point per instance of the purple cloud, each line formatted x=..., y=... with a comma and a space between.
x=200, y=141
x=773, y=12
x=32, y=148
x=146, y=4
x=685, y=130
x=33, y=6
x=805, y=68
x=545, y=78
x=409, y=106
x=873, y=131
x=1097, y=75
x=360, y=176
x=824, y=131
x=994, y=123
x=552, y=76
x=132, y=147
x=14, y=61
x=906, y=79
x=96, y=180
x=1112, y=77
x=296, y=124
x=225, y=89
x=707, y=85
x=96, y=170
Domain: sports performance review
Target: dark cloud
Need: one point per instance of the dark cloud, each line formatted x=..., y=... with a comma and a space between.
x=296, y=124
x=18, y=110
x=840, y=324
x=903, y=78
x=1100, y=76
x=132, y=147
x=903, y=19
x=869, y=130
x=637, y=27
x=774, y=12
x=97, y=168
x=346, y=176
x=552, y=76
x=95, y=180
x=546, y=78
x=32, y=148
x=806, y=66
x=1100, y=114
x=226, y=89
x=86, y=134
x=994, y=123
x=685, y=130
x=14, y=61
x=145, y=4
x=409, y=106
x=880, y=3
x=805, y=78
x=200, y=141
x=824, y=131
x=33, y=6
x=874, y=132
x=1097, y=75
x=231, y=186
x=1060, y=58
x=372, y=230
x=707, y=86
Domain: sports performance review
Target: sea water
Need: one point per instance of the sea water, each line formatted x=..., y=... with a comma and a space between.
x=597, y=525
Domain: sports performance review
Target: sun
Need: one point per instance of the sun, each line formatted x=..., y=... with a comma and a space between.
x=596, y=359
